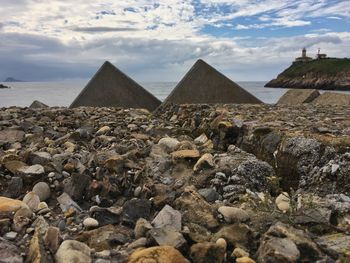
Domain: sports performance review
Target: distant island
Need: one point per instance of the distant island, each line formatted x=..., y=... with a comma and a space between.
x=10, y=79
x=320, y=73
x=4, y=87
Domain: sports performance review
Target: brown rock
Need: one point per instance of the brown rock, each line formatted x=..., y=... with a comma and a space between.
x=182, y=154
x=52, y=238
x=195, y=210
x=72, y=251
x=11, y=136
x=37, y=252
x=278, y=250
x=14, y=166
x=8, y=205
x=161, y=254
x=207, y=252
x=235, y=235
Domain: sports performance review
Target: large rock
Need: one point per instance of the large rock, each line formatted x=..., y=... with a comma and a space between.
x=233, y=214
x=235, y=235
x=298, y=96
x=207, y=252
x=112, y=88
x=333, y=98
x=8, y=205
x=11, y=136
x=161, y=254
x=167, y=236
x=136, y=208
x=9, y=253
x=336, y=245
x=168, y=216
x=37, y=252
x=278, y=250
x=72, y=251
x=204, y=84
x=195, y=210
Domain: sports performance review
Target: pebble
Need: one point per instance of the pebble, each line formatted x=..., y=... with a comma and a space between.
x=90, y=222
x=283, y=202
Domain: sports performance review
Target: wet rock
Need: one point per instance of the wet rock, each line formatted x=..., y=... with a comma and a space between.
x=8, y=205
x=14, y=187
x=72, y=251
x=136, y=208
x=161, y=254
x=167, y=236
x=233, y=214
x=207, y=252
x=42, y=189
x=142, y=226
x=90, y=222
x=168, y=217
x=209, y=194
x=9, y=253
x=278, y=250
x=32, y=200
x=195, y=210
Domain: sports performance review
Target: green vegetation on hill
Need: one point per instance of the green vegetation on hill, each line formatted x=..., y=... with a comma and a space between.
x=326, y=67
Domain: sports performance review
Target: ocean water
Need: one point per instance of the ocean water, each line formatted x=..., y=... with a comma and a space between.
x=63, y=93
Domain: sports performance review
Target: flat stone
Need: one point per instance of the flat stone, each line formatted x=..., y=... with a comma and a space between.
x=207, y=160
x=14, y=187
x=11, y=235
x=14, y=166
x=11, y=136
x=168, y=216
x=66, y=203
x=233, y=214
x=72, y=251
x=36, y=169
x=167, y=236
x=52, y=238
x=160, y=254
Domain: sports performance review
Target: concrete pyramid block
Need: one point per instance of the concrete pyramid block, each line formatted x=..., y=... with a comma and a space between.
x=205, y=85
x=38, y=105
x=112, y=88
x=298, y=96
x=333, y=98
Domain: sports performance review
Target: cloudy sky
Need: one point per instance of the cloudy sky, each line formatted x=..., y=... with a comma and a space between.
x=154, y=40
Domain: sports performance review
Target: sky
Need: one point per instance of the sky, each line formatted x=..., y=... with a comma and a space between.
x=152, y=40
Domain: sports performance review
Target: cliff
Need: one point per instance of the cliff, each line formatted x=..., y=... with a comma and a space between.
x=325, y=74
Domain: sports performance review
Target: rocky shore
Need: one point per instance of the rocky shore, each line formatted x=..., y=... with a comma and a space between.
x=191, y=183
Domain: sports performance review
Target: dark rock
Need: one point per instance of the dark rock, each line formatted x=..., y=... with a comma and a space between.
x=278, y=250
x=167, y=236
x=75, y=185
x=136, y=208
x=14, y=188
x=9, y=253
x=209, y=194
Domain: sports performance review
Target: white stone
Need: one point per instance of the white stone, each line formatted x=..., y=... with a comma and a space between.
x=233, y=214
x=34, y=169
x=283, y=202
x=90, y=222
x=169, y=143
x=11, y=235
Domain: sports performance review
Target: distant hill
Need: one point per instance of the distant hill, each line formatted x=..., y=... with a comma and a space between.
x=326, y=74
x=10, y=79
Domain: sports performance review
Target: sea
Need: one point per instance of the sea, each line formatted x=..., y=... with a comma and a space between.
x=62, y=93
